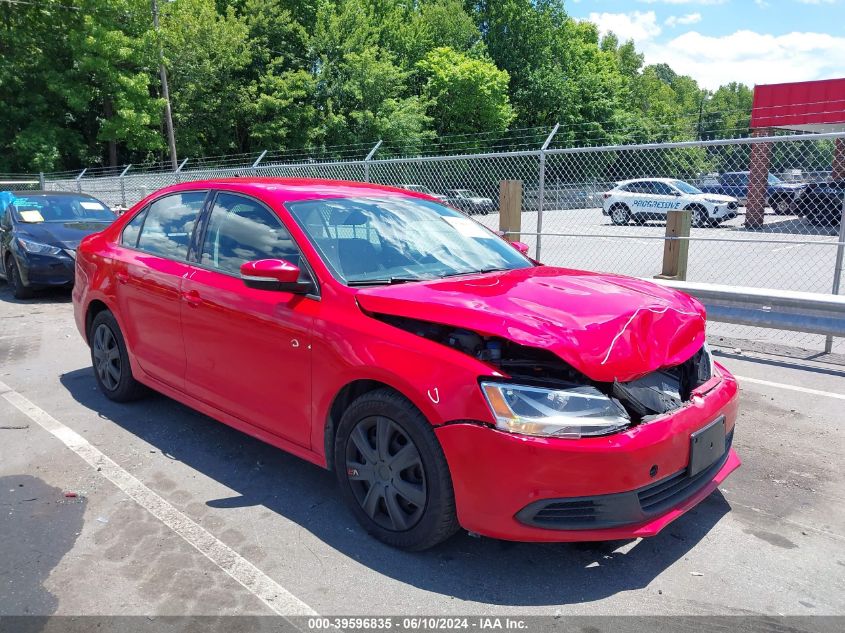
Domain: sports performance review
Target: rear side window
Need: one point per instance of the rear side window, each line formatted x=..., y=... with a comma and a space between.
x=241, y=230
x=640, y=187
x=131, y=231
x=169, y=224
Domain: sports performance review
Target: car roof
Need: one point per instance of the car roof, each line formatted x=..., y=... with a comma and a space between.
x=628, y=182
x=292, y=189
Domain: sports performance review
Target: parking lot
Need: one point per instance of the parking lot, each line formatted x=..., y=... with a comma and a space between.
x=788, y=254
x=176, y=514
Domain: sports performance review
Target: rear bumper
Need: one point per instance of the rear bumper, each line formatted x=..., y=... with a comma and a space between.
x=502, y=479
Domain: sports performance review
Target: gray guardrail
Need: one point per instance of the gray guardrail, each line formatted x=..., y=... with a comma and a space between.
x=767, y=307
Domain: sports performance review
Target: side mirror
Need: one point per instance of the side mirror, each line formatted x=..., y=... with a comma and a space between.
x=273, y=274
x=522, y=247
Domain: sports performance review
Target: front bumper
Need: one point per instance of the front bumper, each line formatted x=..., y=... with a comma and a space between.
x=46, y=270
x=724, y=211
x=502, y=479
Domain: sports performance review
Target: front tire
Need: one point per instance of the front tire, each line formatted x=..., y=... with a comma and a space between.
x=699, y=217
x=110, y=360
x=392, y=472
x=13, y=276
x=781, y=206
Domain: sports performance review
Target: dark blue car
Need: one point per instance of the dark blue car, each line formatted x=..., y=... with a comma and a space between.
x=780, y=196
x=39, y=234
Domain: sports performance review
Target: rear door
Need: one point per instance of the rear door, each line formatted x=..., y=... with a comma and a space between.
x=642, y=198
x=149, y=283
x=248, y=350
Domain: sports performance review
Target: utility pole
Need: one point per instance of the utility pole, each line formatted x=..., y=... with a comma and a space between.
x=165, y=92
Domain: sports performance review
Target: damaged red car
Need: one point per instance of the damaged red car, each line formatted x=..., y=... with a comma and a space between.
x=447, y=379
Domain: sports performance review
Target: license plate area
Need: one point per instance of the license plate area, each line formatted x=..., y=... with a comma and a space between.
x=707, y=445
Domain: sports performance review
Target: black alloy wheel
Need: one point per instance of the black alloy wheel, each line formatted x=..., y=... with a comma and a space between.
x=111, y=360
x=386, y=473
x=392, y=472
x=106, y=357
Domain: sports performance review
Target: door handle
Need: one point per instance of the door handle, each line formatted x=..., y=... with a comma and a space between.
x=121, y=277
x=192, y=298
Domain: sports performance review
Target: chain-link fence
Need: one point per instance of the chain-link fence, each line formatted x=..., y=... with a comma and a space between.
x=767, y=211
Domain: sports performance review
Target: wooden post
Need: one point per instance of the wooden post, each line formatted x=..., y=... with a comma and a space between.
x=676, y=252
x=758, y=183
x=510, y=209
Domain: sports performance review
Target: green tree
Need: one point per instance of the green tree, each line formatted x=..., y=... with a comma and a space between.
x=205, y=53
x=465, y=94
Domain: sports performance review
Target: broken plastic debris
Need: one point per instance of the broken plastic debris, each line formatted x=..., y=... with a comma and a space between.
x=70, y=494
x=696, y=573
x=102, y=519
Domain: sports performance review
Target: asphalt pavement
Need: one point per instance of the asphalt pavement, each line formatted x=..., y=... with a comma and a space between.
x=152, y=509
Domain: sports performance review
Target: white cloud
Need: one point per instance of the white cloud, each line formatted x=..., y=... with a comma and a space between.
x=640, y=26
x=750, y=57
x=745, y=56
x=817, y=1
x=690, y=18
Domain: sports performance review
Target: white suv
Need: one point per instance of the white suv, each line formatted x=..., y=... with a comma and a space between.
x=650, y=198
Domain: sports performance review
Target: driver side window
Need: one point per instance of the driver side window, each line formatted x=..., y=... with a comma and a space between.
x=240, y=230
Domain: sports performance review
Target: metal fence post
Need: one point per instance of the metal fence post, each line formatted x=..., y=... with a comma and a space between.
x=178, y=170
x=541, y=190
x=837, y=270
x=258, y=160
x=79, y=180
x=41, y=182
x=368, y=159
x=676, y=245
x=123, y=185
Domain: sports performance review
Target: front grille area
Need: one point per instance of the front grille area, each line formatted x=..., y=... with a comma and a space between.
x=625, y=508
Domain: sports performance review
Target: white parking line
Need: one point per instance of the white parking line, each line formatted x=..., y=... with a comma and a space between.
x=780, y=385
x=271, y=593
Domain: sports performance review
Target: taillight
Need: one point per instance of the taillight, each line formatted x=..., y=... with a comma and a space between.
x=606, y=195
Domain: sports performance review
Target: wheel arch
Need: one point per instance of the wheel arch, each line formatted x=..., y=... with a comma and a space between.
x=343, y=398
x=95, y=306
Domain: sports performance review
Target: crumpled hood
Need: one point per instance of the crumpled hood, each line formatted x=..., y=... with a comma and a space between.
x=608, y=327
x=62, y=234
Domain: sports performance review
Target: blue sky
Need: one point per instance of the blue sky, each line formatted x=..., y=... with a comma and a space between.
x=716, y=41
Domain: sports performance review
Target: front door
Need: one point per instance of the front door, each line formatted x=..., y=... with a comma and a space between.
x=248, y=350
x=665, y=198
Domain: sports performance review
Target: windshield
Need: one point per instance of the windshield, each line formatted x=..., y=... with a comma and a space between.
x=774, y=180
x=60, y=208
x=685, y=187
x=389, y=240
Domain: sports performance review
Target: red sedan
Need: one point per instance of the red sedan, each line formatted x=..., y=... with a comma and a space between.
x=447, y=379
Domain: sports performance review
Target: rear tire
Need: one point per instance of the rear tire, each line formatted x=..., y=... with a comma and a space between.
x=13, y=277
x=110, y=360
x=620, y=215
x=392, y=472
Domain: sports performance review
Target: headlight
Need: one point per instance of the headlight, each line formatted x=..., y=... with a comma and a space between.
x=716, y=201
x=38, y=248
x=571, y=413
